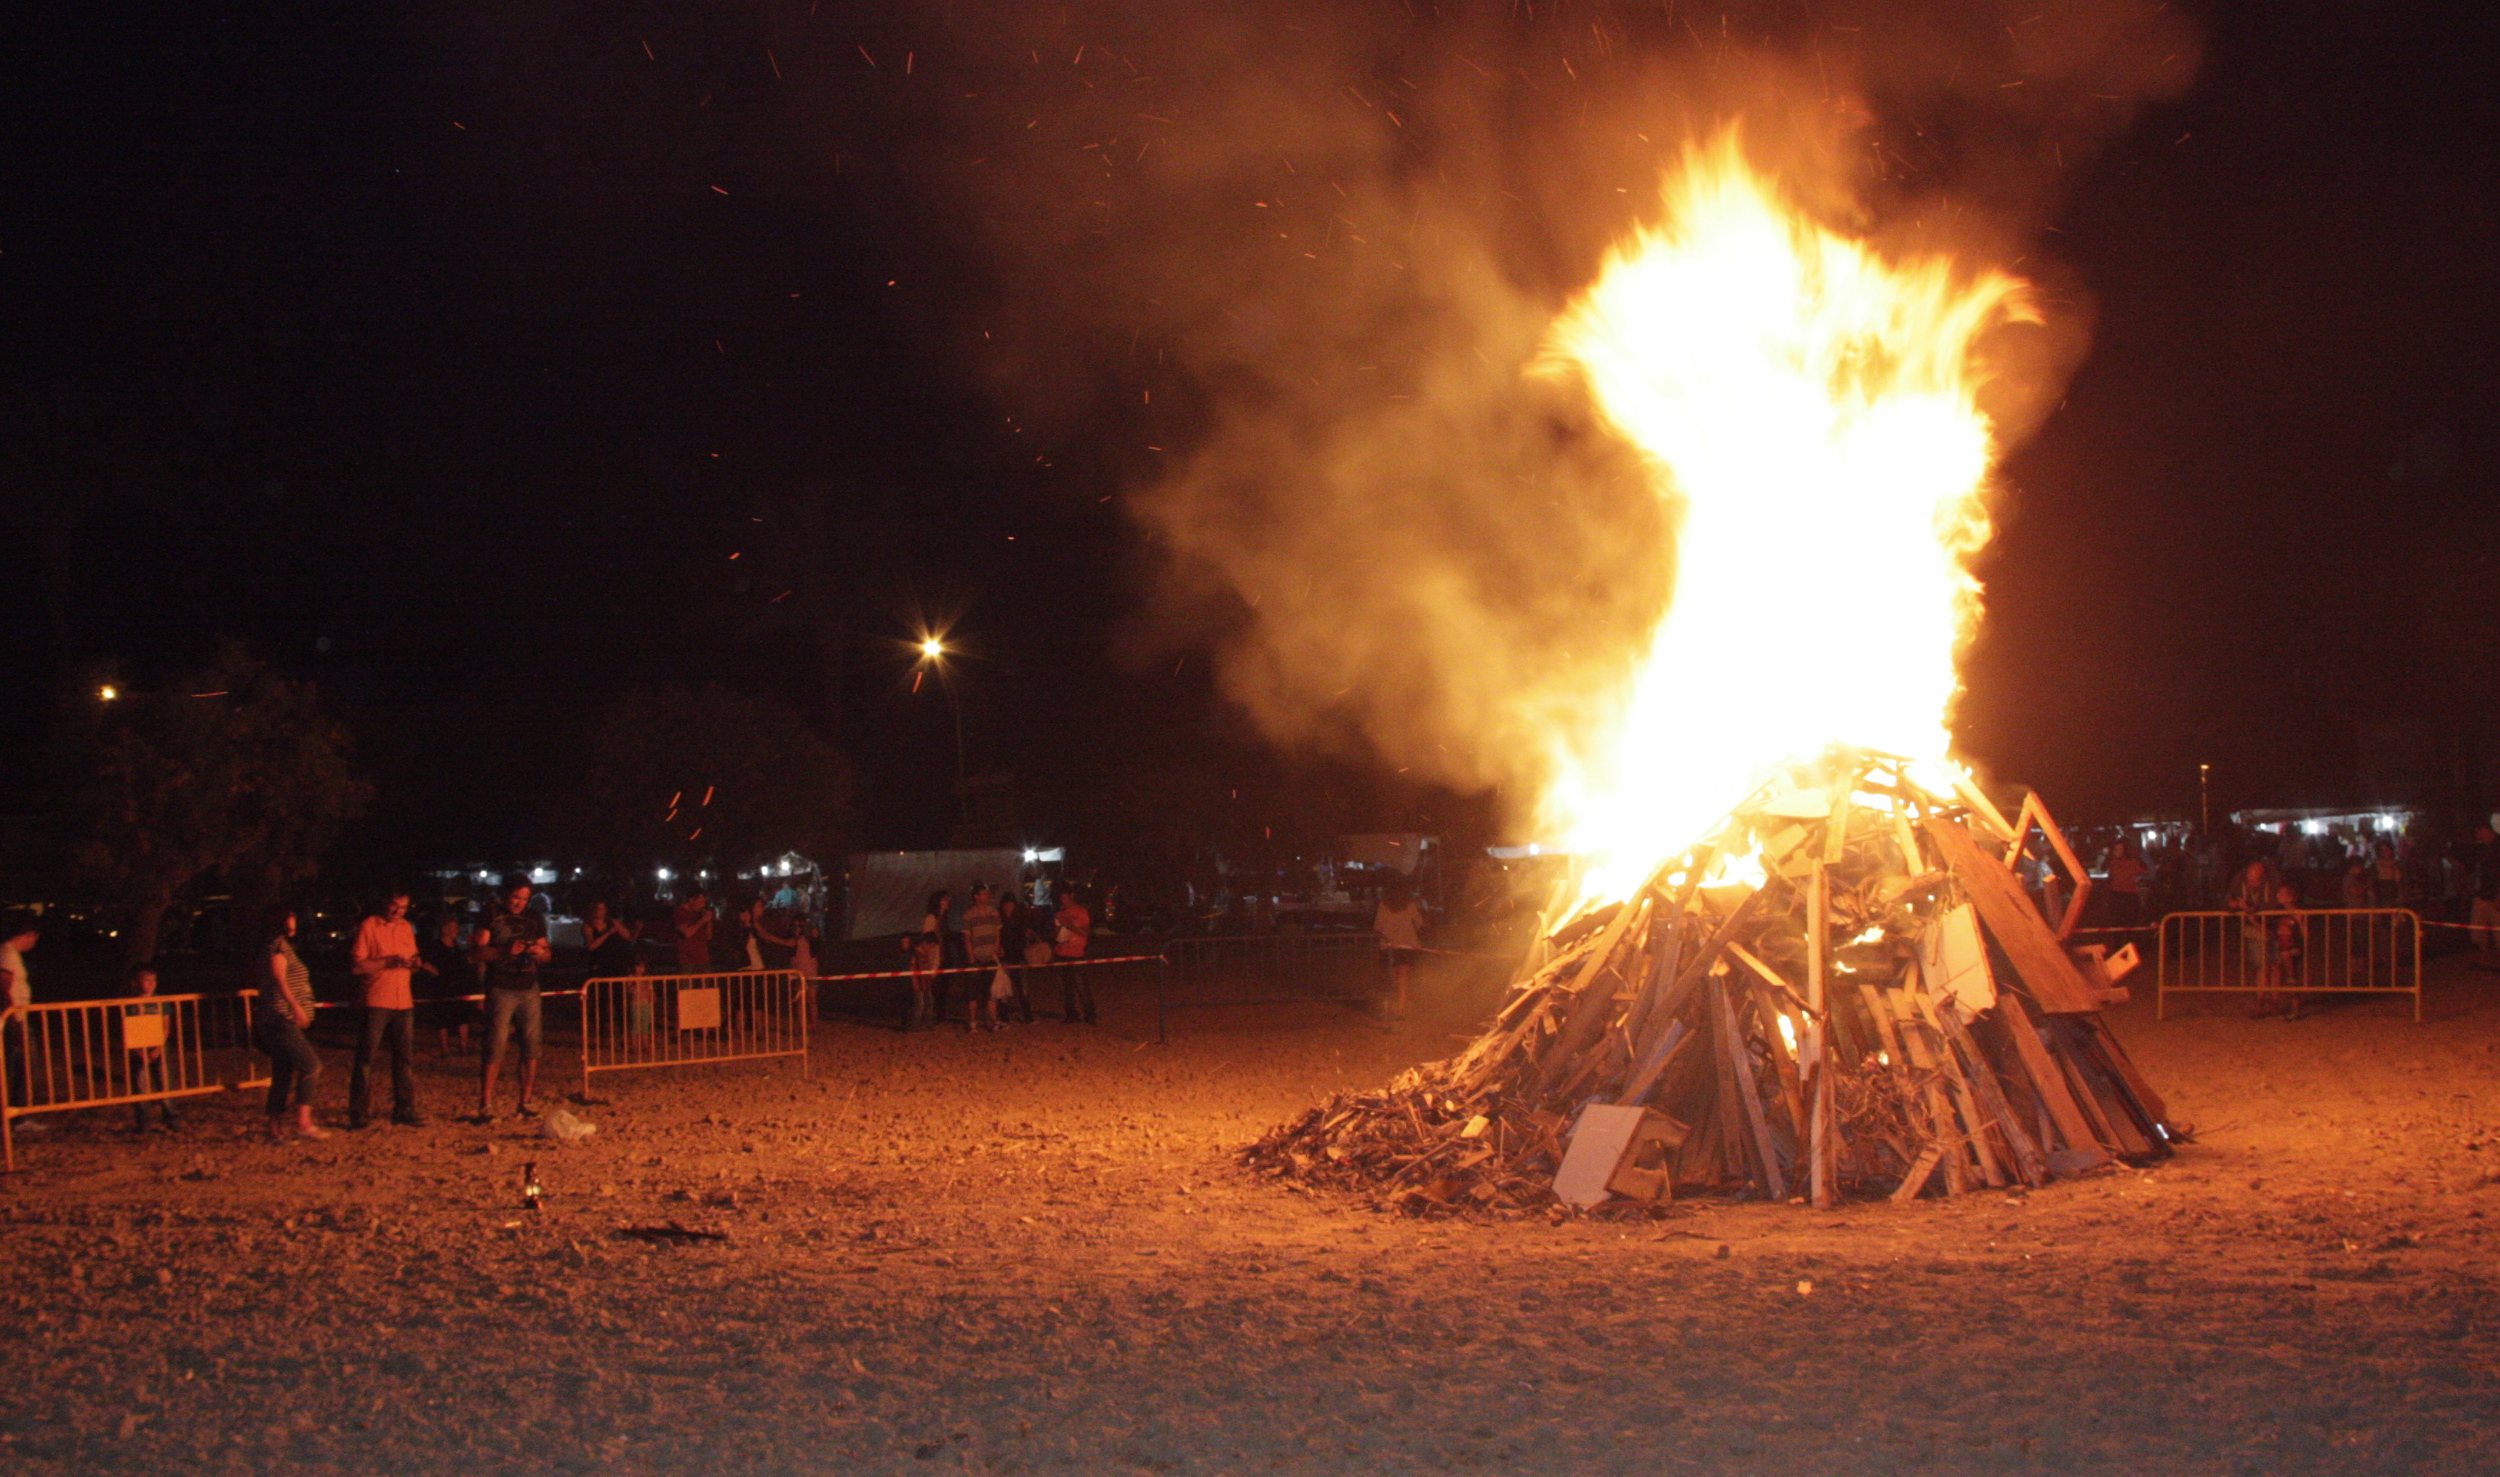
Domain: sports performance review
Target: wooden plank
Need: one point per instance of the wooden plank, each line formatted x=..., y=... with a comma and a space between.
x=1589, y=1011
x=2117, y=1128
x=1921, y=1170
x=1647, y=1073
x=1939, y=1115
x=1748, y=1092
x=1822, y=1137
x=1973, y=1068
x=1941, y=1056
x=2035, y=812
x=2069, y=1116
x=2115, y=1057
x=2014, y=922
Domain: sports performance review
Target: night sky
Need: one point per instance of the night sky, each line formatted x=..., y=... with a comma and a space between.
x=448, y=353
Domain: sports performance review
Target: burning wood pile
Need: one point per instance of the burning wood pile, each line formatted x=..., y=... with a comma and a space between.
x=1844, y=990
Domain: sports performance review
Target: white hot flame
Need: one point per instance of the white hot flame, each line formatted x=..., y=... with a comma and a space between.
x=1809, y=411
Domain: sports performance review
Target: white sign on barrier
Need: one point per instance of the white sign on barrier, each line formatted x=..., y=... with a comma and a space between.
x=698, y=1010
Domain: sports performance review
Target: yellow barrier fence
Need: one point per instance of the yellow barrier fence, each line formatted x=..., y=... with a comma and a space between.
x=687, y=1020
x=62, y=1056
x=2293, y=951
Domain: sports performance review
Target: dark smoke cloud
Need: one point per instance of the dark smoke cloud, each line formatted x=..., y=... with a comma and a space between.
x=1295, y=261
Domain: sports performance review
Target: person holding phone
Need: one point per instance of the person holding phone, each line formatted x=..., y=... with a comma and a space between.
x=511, y=944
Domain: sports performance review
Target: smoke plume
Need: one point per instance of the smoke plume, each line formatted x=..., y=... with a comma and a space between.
x=1302, y=259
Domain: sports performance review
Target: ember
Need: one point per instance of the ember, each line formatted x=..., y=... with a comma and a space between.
x=1869, y=1003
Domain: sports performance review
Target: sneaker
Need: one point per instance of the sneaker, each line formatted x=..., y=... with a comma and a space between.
x=525, y=1109
x=311, y=1131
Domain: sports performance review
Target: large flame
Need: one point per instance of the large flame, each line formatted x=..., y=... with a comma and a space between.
x=1810, y=412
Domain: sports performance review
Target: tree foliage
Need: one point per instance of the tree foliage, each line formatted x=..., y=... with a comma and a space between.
x=233, y=773
x=693, y=775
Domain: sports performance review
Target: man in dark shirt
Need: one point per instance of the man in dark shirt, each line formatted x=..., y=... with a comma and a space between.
x=510, y=945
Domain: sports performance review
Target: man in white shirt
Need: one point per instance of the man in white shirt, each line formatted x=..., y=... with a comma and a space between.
x=385, y=951
x=21, y=932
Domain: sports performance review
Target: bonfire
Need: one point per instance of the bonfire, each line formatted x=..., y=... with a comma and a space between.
x=1843, y=990
x=1797, y=958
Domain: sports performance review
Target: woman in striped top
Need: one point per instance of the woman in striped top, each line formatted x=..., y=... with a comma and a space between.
x=286, y=991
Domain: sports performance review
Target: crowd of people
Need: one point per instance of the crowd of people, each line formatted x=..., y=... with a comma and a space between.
x=2338, y=867
x=503, y=959
x=477, y=982
x=987, y=955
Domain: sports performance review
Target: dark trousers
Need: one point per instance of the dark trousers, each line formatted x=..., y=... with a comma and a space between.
x=13, y=1046
x=147, y=1074
x=1076, y=992
x=293, y=1065
x=395, y=1030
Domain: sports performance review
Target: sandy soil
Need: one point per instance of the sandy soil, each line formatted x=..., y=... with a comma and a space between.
x=1032, y=1252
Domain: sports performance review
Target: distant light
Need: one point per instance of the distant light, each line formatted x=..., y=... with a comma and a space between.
x=933, y=648
x=1031, y=855
x=664, y=874
x=108, y=692
x=542, y=875
x=1535, y=850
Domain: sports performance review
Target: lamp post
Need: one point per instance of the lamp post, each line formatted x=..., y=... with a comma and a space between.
x=2204, y=797
x=933, y=652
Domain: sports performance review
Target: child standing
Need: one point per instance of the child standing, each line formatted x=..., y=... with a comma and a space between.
x=144, y=1037
x=2287, y=939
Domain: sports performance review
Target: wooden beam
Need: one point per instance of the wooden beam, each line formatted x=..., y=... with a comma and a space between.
x=2045, y=1076
x=1748, y=1092
x=2014, y=922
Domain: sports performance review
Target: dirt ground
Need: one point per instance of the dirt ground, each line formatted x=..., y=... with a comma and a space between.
x=1032, y=1252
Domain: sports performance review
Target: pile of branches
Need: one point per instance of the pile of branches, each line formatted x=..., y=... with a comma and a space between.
x=1845, y=990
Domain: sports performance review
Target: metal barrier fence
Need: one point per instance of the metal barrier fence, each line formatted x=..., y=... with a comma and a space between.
x=61, y=1056
x=687, y=1020
x=1269, y=969
x=2340, y=951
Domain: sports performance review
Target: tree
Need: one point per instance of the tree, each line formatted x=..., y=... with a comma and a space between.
x=689, y=775
x=234, y=772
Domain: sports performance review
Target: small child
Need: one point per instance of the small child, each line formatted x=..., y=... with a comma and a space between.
x=641, y=1007
x=144, y=1023
x=2287, y=938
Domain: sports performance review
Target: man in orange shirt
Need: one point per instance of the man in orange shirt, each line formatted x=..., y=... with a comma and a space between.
x=1073, y=928
x=385, y=950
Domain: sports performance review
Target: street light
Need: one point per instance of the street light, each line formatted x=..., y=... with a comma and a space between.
x=2204, y=797
x=933, y=653
x=108, y=692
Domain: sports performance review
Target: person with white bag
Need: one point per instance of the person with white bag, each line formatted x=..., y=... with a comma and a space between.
x=981, y=925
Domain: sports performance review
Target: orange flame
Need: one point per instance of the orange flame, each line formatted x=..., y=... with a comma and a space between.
x=1810, y=413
